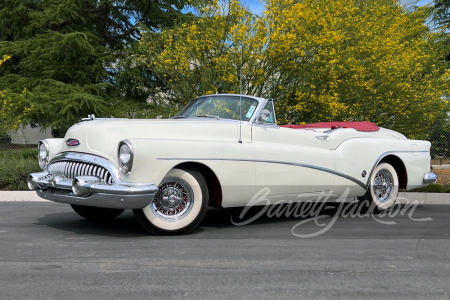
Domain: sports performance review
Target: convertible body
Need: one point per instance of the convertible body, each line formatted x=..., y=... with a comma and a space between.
x=236, y=158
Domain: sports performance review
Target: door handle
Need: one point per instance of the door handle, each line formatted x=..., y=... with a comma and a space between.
x=321, y=137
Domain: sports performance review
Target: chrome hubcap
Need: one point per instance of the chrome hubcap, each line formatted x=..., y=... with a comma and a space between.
x=383, y=185
x=173, y=201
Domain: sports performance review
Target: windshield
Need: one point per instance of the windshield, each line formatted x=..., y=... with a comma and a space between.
x=226, y=107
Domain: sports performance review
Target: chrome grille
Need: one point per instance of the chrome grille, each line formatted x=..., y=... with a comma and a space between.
x=72, y=169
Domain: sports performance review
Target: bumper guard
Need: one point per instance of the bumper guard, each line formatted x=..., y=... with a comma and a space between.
x=430, y=177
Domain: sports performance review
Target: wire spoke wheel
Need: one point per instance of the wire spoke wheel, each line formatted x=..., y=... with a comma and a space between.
x=179, y=205
x=383, y=186
x=173, y=201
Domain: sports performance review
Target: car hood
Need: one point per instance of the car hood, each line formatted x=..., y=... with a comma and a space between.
x=101, y=137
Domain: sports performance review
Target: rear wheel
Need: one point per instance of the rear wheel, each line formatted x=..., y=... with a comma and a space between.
x=179, y=205
x=96, y=213
x=383, y=189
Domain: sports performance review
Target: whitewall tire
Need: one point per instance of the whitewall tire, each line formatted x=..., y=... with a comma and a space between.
x=383, y=189
x=179, y=205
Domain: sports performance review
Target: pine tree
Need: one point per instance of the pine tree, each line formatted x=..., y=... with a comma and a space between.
x=69, y=58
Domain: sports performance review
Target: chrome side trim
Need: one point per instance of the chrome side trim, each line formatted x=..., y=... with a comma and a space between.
x=276, y=162
x=430, y=177
x=365, y=186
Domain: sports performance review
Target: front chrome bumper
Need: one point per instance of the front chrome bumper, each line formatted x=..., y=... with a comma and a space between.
x=430, y=177
x=126, y=201
x=91, y=190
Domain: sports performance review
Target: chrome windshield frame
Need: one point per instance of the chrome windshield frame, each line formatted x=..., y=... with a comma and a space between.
x=261, y=103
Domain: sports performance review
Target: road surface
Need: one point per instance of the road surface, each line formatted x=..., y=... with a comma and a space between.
x=49, y=252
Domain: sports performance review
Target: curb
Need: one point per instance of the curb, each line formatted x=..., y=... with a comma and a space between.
x=424, y=198
x=404, y=197
x=440, y=167
x=28, y=196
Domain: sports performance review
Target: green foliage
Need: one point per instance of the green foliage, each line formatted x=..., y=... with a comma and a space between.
x=204, y=56
x=15, y=166
x=323, y=60
x=441, y=12
x=133, y=110
x=434, y=188
x=439, y=137
x=70, y=58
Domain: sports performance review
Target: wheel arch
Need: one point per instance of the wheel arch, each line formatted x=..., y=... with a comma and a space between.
x=212, y=182
x=399, y=167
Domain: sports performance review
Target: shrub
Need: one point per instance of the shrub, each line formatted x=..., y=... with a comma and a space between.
x=434, y=188
x=15, y=166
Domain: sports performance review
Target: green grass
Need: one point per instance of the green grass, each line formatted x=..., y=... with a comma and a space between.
x=15, y=166
x=434, y=188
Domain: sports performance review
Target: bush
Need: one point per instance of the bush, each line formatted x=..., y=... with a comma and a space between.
x=15, y=166
x=434, y=188
x=5, y=138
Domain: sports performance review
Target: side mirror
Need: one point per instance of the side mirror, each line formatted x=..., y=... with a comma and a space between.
x=264, y=116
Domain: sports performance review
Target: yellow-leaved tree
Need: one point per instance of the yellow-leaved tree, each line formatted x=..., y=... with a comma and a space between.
x=205, y=56
x=12, y=113
x=323, y=60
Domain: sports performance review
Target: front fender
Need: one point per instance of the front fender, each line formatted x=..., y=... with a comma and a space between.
x=150, y=163
x=54, y=146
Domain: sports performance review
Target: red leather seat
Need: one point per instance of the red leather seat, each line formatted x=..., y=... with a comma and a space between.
x=360, y=126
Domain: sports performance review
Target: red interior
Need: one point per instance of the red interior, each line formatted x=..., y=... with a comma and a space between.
x=360, y=126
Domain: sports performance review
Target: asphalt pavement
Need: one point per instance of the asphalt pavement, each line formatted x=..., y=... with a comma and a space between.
x=49, y=252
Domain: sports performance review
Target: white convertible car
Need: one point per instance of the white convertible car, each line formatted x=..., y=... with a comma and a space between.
x=221, y=150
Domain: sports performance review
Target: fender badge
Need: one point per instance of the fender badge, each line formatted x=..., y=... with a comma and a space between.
x=364, y=173
x=72, y=143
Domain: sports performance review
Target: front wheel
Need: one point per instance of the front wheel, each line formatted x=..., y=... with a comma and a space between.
x=179, y=205
x=96, y=213
x=383, y=189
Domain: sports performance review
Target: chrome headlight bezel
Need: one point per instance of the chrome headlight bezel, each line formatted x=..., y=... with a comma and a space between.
x=43, y=161
x=125, y=167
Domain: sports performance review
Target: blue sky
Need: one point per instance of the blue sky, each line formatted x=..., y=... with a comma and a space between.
x=257, y=6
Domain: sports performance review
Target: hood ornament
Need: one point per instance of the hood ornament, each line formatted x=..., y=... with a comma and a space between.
x=89, y=118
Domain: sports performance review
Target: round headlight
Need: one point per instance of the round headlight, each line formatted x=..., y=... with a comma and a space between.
x=42, y=151
x=124, y=154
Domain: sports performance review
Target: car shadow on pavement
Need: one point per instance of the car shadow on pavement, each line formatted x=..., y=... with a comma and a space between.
x=334, y=221
x=124, y=226
x=221, y=220
x=225, y=217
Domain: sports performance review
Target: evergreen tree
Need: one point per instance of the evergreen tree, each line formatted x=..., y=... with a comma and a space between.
x=70, y=58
